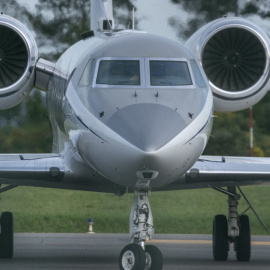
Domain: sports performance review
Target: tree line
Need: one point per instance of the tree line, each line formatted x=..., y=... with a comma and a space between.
x=58, y=24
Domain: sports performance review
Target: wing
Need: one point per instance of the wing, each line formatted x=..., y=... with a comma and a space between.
x=52, y=171
x=31, y=169
x=215, y=171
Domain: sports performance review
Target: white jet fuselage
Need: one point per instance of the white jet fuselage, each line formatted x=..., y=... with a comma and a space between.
x=152, y=124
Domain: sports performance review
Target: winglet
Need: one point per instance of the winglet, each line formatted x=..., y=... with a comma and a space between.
x=101, y=15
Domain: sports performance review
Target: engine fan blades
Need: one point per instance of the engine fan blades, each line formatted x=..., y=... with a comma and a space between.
x=13, y=56
x=234, y=59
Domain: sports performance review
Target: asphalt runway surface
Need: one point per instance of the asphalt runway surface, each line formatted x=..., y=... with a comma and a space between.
x=101, y=251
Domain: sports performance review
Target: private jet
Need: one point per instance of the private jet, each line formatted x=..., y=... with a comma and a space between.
x=133, y=112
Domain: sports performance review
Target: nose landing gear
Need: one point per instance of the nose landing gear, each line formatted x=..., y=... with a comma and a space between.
x=138, y=256
x=132, y=257
x=154, y=259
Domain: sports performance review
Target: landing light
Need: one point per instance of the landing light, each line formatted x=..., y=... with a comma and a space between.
x=147, y=175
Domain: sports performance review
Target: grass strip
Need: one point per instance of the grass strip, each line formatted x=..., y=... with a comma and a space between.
x=185, y=211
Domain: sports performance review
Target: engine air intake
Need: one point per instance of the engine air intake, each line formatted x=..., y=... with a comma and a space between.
x=234, y=59
x=18, y=57
x=13, y=56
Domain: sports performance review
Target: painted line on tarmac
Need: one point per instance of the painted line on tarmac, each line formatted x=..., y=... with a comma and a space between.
x=199, y=242
x=260, y=243
x=164, y=241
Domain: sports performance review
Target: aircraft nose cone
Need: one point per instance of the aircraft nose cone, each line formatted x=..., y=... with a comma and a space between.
x=147, y=126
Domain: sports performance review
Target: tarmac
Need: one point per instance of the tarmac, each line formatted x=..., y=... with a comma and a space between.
x=101, y=251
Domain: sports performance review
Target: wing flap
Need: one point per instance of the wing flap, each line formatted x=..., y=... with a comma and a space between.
x=229, y=169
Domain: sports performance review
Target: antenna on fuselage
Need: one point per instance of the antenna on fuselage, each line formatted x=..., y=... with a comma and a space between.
x=133, y=19
x=101, y=15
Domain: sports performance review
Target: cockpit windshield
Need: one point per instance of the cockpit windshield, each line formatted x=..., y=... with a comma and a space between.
x=169, y=73
x=110, y=72
x=119, y=72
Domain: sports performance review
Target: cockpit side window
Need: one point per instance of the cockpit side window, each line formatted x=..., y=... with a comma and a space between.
x=197, y=74
x=85, y=79
x=118, y=72
x=169, y=73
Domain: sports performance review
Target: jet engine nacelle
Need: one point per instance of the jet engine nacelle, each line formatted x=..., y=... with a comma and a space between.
x=18, y=56
x=234, y=54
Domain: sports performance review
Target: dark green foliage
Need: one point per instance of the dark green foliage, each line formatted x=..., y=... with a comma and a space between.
x=58, y=24
x=250, y=8
x=203, y=11
x=26, y=129
x=230, y=130
x=66, y=21
x=230, y=134
x=259, y=7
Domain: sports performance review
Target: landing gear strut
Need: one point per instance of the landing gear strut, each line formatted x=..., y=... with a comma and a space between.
x=236, y=230
x=137, y=255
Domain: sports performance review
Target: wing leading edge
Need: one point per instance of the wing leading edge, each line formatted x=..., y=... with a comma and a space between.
x=48, y=170
x=218, y=171
x=31, y=169
x=52, y=171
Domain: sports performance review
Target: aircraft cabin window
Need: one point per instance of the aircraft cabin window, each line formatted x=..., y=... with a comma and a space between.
x=119, y=72
x=169, y=73
x=197, y=74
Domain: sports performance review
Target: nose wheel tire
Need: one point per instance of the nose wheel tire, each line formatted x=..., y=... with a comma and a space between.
x=132, y=257
x=6, y=236
x=154, y=258
x=220, y=238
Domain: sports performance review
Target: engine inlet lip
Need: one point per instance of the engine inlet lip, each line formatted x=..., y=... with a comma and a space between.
x=26, y=69
x=228, y=23
x=32, y=54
